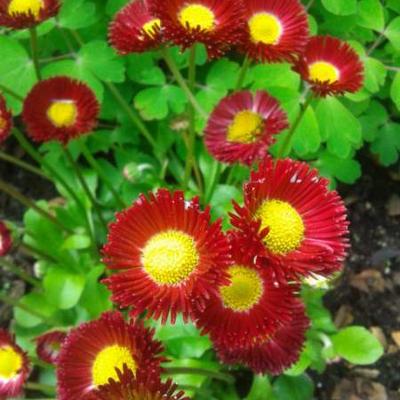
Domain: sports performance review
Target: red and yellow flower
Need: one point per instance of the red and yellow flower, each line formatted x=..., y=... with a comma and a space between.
x=14, y=366
x=276, y=30
x=48, y=346
x=92, y=353
x=60, y=109
x=171, y=256
x=6, y=121
x=242, y=127
x=294, y=219
x=21, y=14
x=331, y=66
x=217, y=24
x=5, y=239
x=134, y=29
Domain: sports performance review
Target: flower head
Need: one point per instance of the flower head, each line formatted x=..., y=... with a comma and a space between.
x=331, y=66
x=6, y=121
x=92, y=353
x=172, y=257
x=294, y=219
x=276, y=30
x=243, y=125
x=21, y=14
x=48, y=346
x=129, y=387
x=14, y=366
x=134, y=29
x=216, y=23
x=5, y=239
x=60, y=109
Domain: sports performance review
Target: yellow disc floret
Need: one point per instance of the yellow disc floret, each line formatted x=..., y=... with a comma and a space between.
x=3, y=122
x=10, y=362
x=246, y=127
x=245, y=289
x=108, y=360
x=170, y=257
x=286, y=227
x=62, y=113
x=151, y=26
x=265, y=28
x=26, y=7
x=197, y=16
x=322, y=71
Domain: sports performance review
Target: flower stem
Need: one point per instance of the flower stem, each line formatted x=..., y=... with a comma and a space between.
x=242, y=74
x=85, y=187
x=181, y=82
x=35, y=55
x=18, y=271
x=14, y=193
x=16, y=161
x=200, y=371
x=284, y=147
x=40, y=387
x=10, y=92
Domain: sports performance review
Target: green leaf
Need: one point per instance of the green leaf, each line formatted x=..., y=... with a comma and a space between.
x=357, y=345
x=375, y=74
x=370, y=13
x=223, y=74
x=341, y=7
x=392, y=32
x=114, y=5
x=261, y=389
x=266, y=76
x=76, y=242
x=395, y=90
x=63, y=289
x=35, y=301
x=102, y=61
x=77, y=14
x=293, y=388
x=387, y=144
x=374, y=117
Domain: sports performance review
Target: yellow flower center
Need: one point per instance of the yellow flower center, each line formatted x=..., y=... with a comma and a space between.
x=323, y=71
x=108, y=360
x=245, y=289
x=3, y=123
x=62, y=113
x=197, y=16
x=170, y=257
x=25, y=7
x=265, y=28
x=246, y=127
x=10, y=362
x=150, y=26
x=286, y=227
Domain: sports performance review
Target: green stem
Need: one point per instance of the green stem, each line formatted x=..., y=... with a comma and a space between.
x=35, y=55
x=200, y=371
x=33, y=252
x=16, y=161
x=181, y=82
x=214, y=181
x=242, y=74
x=18, y=271
x=379, y=40
x=231, y=175
x=94, y=164
x=10, y=92
x=284, y=147
x=85, y=187
x=40, y=387
x=39, y=363
x=14, y=193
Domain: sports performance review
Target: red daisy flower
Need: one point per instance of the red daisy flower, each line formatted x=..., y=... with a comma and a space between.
x=92, y=353
x=276, y=30
x=243, y=125
x=60, y=109
x=6, y=121
x=294, y=219
x=128, y=387
x=274, y=353
x=5, y=239
x=218, y=24
x=48, y=346
x=14, y=366
x=134, y=29
x=21, y=14
x=172, y=256
x=253, y=303
x=331, y=66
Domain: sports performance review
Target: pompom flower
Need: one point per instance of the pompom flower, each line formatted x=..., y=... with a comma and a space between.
x=48, y=346
x=218, y=24
x=275, y=353
x=5, y=239
x=14, y=366
x=92, y=353
x=331, y=66
x=276, y=30
x=59, y=109
x=134, y=29
x=129, y=387
x=21, y=14
x=5, y=120
x=172, y=257
x=242, y=127
x=253, y=303
x=294, y=219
